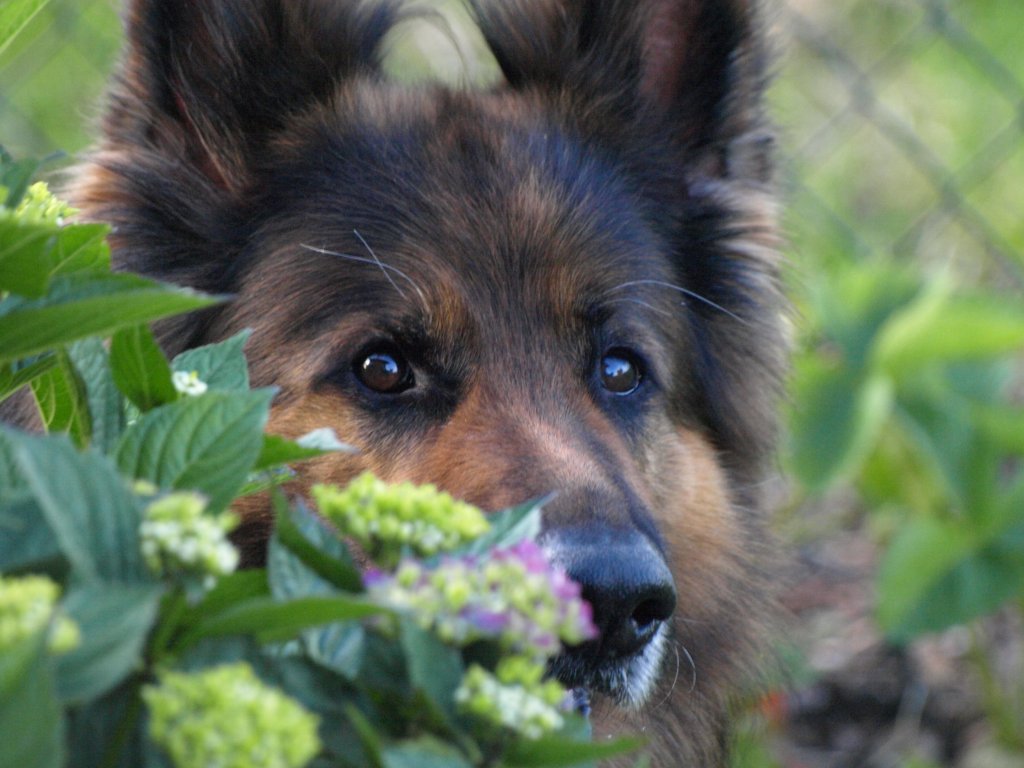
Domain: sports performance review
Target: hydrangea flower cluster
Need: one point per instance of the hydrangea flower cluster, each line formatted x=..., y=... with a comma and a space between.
x=27, y=606
x=225, y=717
x=515, y=697
x=383, y=519
x=179, y=538
x=514, y=597
x=188, y=383
x=39, y=206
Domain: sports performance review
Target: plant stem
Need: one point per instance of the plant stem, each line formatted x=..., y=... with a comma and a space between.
x=998, y=707
x=174, y=606
x=112, y=754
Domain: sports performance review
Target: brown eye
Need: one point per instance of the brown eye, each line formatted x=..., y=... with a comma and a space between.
x=620, y=372
x=384, y=371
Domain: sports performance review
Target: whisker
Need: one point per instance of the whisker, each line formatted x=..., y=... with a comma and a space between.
x=378, y=262
x=675, y=679
x=386, y=268
x=693, y=666
x=685, y=292
x=643, y=304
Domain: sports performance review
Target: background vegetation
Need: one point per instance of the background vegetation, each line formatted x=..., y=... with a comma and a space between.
x=901, y=128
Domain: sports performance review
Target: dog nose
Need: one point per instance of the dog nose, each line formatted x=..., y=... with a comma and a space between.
x=627, y=583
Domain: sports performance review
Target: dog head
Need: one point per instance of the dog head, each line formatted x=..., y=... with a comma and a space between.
x=563, y=284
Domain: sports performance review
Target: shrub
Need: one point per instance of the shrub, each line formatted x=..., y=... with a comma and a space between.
x=114, y=550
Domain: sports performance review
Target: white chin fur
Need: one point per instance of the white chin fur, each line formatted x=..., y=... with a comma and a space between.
x=640, y=673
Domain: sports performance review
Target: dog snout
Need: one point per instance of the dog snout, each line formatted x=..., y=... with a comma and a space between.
x=626, y=581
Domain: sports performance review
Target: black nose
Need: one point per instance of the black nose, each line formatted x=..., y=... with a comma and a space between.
x=626, y=581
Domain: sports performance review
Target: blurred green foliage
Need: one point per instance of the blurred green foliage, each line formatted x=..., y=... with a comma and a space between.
x=53, y=74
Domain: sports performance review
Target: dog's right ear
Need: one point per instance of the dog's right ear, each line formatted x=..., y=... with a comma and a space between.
x=210, y=80
x=694, y=68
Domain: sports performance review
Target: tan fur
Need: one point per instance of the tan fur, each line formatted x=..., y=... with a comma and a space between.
x=614, y=192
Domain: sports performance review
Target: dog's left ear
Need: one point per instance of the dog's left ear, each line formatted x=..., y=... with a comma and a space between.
x=694, y=68
x=208, y=82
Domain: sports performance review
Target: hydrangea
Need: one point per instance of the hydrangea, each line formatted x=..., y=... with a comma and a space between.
x=39, y=206
x=225, y=717
x=180, y=538
x=514, y=596
x=383, y=519
x=188, y=383
x=27, y=607
x=515, y=697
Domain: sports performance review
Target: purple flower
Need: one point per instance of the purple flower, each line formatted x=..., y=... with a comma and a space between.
x=514, y=596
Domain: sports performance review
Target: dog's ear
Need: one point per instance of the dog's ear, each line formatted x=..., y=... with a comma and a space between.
x=212, y=79
x=695, y=67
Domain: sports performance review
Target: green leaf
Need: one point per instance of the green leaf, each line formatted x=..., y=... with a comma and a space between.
x=278, y=451
x=220, y=366
x=31, y=722
x=338, y=647
x=14, y=15
x=32, y=253
x=317, y=545
x=941, y=328
x=26, y=540
x=509, y=527
x=206, y=443
x=423, y=753
x=434, y=668
x=950, y=451
x=923, y=550
x=852, y=304
x=12, y=484
x=12, y=379
x=289, y=577
x=95, y=728
x=81, y=249
x=62, y=400
x=115, y=620
x=140, y=369
x=78, y=308
x=1003, y=425
x=24, y=248
x=91, y=512
x=937, y=574
x=369, y=739
x=836, y=421
x=272, y=621
x=105, y=407
x=15, y=175
x=229, y=591
x=556, y=751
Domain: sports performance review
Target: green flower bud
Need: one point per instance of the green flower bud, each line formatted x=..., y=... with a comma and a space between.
x=226, y=717
x=27, y=607
x=383, y=519
x=41, y=207
x=524, y=704
x=180, y=538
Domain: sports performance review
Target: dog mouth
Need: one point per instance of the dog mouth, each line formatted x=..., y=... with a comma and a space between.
x=627, y=680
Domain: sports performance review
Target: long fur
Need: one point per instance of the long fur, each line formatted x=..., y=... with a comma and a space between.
x=614, y=191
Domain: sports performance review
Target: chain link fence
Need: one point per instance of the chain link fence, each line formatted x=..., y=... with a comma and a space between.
x=902, y=121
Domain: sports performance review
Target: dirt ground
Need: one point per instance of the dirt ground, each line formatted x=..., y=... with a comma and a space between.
x=856, y=701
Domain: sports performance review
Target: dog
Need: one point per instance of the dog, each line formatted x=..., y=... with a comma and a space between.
x=565, y=284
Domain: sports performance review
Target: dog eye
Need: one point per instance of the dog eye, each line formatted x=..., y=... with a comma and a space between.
x=620, y=372
x=384, y=370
